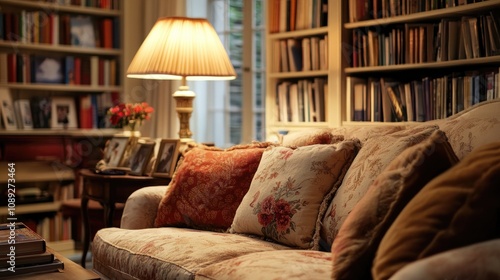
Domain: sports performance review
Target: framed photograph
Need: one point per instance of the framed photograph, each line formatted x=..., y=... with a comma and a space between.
x=23, y=110
x=7, y=109
x=141, y=157
x=63, y=113
x=167, y=158
x=115, y=150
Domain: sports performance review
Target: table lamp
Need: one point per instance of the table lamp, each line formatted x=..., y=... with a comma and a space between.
x=181, y=48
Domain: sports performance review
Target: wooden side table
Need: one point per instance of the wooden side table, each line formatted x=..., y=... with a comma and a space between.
x=108, y=190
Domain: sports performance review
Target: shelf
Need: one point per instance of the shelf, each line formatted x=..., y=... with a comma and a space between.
x=430, y=65
x=61, y=87
x=61, y=8
x=298, y=33
x=74, y=132
x=429, y=15
x=43, y=207
x=305, y=74
x=27, y=47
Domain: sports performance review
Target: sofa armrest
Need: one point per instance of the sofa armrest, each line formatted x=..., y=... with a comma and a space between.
x=141, y=207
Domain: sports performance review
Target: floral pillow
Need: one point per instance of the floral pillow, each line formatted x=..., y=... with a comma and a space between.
x=208, y=186
x=354, y=247
x=373, y=158
x=290, y=189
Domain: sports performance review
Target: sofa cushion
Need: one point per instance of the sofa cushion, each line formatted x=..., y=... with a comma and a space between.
x=311, y=137
x=476, y=261
x=289, y=189
x=284, y=264
x=377, y=152
x=167, y=253
x=355, y=245
x=208, y=186
x=458, y=208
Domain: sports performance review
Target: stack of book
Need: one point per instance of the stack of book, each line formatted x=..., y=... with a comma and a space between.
x=23, y=251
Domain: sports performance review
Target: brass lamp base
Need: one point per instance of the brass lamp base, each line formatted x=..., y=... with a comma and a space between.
x=184, y=107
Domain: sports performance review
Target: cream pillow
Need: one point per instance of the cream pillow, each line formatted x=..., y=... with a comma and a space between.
x=290, y=189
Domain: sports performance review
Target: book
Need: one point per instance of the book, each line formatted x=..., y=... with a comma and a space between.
x=56, y=265
x=27, y=260
x=24, y=242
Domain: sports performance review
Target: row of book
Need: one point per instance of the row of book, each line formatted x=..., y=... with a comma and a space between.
x=387, y=100
x=71, y=70
x=101, y=4
x=85, y=111
x=305, y=54
x=450, y=39
x=375, y=9
x=291, y=15
x=41, y=27
x=301, y=101
x=30, y=254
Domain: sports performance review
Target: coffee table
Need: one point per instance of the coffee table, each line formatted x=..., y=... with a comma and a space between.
x=71, y=271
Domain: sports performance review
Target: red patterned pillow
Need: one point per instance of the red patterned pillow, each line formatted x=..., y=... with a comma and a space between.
x=208, y=187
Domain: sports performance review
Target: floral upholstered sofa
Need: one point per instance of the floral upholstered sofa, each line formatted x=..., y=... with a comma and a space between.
x=399, y=201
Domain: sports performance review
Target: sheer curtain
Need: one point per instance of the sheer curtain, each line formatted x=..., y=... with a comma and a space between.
x=141, y=16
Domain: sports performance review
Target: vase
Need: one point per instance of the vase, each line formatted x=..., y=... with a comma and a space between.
x=132, y=129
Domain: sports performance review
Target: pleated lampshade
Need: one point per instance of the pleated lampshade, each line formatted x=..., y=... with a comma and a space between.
x=181, y=47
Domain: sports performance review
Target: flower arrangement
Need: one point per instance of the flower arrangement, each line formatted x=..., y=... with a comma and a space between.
x=129, y=114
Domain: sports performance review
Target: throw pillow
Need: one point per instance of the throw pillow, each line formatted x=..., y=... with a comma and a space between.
x=208, y=186
x=355, y=245
x=290, y=190
x=457, y=208
x=311, y=137
x=372, y=159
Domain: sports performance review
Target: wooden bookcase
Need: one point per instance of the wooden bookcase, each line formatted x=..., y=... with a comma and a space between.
x=430, y=62
x=343, y=76
x=52, y=49
x=289, y=40
x=75, y=147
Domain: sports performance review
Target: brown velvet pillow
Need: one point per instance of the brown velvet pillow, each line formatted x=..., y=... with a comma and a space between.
x=355, y=245
x=458, y=208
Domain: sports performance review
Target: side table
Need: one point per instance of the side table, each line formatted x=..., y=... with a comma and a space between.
x=108, y=190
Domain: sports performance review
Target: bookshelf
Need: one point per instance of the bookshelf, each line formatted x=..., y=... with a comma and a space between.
x=452, y=73
x=303, y=62
x=422, y=62
x=70, y=48
x=86, y=41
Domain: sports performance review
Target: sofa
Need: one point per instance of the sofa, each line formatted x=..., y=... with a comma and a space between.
x=391, y=201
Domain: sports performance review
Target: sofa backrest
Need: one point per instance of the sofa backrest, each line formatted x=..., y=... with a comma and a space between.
x=472, y=128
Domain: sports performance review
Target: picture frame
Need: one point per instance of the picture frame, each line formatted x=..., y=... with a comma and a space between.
x=7, y=109
x=23, y=110
x=115, y=149
x=63, y=113
x=141, y=157
x=167, y=158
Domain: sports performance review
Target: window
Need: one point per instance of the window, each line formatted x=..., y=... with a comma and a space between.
x=232, y=112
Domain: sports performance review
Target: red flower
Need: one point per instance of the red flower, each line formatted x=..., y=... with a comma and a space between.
x=267, y=205
x=282, y=211
x=265, y=219
x=129, y=114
